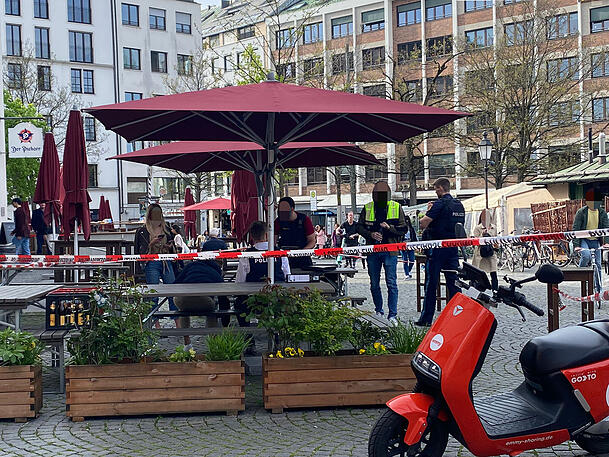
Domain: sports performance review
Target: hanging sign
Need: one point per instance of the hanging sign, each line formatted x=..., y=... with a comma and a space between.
x=25, y=141
x=313, y=196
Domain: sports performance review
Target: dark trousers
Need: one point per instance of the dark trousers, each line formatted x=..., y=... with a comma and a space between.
x=39, y=242
x=438, y=259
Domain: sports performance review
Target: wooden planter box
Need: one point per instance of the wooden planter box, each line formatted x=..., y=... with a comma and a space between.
x=342, y=380
x=20, y=392
x=154, y=388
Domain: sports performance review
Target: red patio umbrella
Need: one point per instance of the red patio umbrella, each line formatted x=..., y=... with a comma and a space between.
x=101, y=212
x=108, y=215
x=75, y=180
x=28, y=215
x=215, y=203
x=190, y=217
x=48, y=184
x=244, y=203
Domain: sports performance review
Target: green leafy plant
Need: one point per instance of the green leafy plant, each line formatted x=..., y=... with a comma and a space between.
x=404, y=338
x=365, y=334
x=181, y=354
x=19, y=348
x=228, y=345
x=117, y=332
x=374, y=349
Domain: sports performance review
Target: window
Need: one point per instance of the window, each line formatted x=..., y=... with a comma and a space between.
x=242, y=33
x=437, y=9
x=373, y=57
x=313, y=67
x=378, y=90
x=473, y=5
x=342, y=26
x=562, y=25
x=14, y=76
x=76, y=81
x=441, y=86
x=214, y=40
x=286, y=71
x=87, y=82
x=82, y=81
x=600, y=65
x=479, y=121
x=373, y=20
x=12, y=7
x=79, y=11
x=312, y=33
x=600, y=109
x=477, y=81
x=183, y=23
x=285, y=38
x=130, y=96
x=92, y=169
x=564, y=113
x=157, y=19
x=215, y=65
x=158, y=61
x=416, y=164
x=137, y=188
x=439, y=46
x=228, y=63
x=41, y=9
x=340, y=63
x=131, y=59
x=43, y=48
x=131, y=14
x=441, y=165
x=409, y=51
x=480, y=38
x=13, y=40
x=447, y=130
x=89, y=127
x=409, y=14
x=81, y=48
x=135, y=146
x=44, y=77
x=184, y=64
x=376, y=172
x=560, y=69
x=518, y=32
x=599, y=19
x=508, y=2
x=316, y=175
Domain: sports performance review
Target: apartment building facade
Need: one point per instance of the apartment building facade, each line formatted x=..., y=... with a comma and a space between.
x=103, y=52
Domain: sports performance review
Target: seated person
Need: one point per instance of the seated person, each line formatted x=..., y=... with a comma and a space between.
x=256, y=270
x=214, y=243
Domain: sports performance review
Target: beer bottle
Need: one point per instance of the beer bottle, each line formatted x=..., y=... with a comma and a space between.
x=52, y=321
x=62, y=313
x=81, y=317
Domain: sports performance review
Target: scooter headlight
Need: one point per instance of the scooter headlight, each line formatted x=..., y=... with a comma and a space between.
x=427, y=366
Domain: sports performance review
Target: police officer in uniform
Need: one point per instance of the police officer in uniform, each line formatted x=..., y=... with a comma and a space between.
x=440, y=221
x=294, y=230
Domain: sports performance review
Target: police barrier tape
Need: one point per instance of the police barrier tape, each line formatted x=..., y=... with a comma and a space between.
x=603, y=295
x=354, y=250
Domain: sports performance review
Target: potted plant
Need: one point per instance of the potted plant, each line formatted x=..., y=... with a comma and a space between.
x=116, y=368
x=329, y=372
x=20, y=375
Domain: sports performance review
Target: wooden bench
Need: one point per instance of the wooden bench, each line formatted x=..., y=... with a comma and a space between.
x=55, y=340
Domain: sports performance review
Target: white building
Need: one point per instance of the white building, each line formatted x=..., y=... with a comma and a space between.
x=104, y=52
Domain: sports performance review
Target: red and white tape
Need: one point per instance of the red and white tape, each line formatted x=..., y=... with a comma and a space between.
x=603, y=295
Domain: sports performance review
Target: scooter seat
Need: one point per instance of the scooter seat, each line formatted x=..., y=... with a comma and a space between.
x=563, y=348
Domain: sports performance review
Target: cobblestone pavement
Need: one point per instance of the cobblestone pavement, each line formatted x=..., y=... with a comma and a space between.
x=255, y=432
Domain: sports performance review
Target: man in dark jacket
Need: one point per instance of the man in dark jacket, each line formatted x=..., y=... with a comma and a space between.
x=382, y=221
x=591, y=217
x=40, y=227
x=21, y=234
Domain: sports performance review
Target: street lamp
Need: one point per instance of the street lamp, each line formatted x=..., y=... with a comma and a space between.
x=485, y=148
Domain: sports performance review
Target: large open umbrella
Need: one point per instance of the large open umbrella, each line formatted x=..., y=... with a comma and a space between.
x=244, y=203
x=190, y=217
x=49, y=184
x=271, y=114
x=214, y=203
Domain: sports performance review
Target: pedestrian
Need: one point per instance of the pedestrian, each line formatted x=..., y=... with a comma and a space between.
x=21, y=233
x=40, y=227
x=382, y=221
x=213, y=243
x=591, y=217
x=408, y=254
x=351, y=237
x=361, y=241
x=179, y=242
x=320, y=237
x=484, y=256
x=337, y=236
x=294, y=230
x=439, y=223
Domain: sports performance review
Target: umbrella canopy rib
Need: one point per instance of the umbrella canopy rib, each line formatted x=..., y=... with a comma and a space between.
x=227, y=127
x=243, y=123
x=365, y=127
x=288, y=139
x=160, y=129
x=139, y=121
x=395, y=121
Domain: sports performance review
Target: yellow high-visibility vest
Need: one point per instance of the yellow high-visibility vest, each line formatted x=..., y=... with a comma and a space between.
x=393, y=210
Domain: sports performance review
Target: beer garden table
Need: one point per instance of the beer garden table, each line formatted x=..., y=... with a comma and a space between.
x=14, y=299
x=583, y=275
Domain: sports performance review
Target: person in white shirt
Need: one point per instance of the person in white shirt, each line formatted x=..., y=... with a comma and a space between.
x=178, y=241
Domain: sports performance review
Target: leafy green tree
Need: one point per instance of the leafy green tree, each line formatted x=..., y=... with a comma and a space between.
x=21, y=174
x=251, y=69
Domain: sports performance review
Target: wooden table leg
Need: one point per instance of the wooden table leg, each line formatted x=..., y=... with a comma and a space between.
x=419, y=284
x=588, y=307
x=553, y=319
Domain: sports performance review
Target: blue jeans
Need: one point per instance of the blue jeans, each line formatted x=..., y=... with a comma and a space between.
x=408, y=258
x=390, y=263
x=22, y=246
x=155, y=270
x=586, y=259
x=438, y=259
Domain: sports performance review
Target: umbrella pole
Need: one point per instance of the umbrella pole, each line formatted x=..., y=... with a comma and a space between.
x=53, y=231
x=271, y=213
x=76, y=272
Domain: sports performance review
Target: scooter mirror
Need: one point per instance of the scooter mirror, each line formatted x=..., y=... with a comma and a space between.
x=549, y=274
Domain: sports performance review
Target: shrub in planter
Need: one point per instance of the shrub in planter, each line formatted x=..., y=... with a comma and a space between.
x=20, y=375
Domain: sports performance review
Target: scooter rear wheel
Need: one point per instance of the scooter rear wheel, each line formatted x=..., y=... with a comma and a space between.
x=594, y=444
x=387, y=438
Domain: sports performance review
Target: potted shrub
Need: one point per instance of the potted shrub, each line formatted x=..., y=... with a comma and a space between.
x=20, y=375
x=370, y=372
x=116, y=368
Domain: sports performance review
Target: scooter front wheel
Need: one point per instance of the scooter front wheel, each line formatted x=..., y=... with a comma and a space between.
x=387, y=438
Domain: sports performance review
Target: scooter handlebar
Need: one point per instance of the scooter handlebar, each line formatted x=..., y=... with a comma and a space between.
x=520, y=300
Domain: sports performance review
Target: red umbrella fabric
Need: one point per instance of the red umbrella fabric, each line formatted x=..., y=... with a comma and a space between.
x=244, y=203
x=190, y=217
x=48, y=184
x=75, y=178
x=101, y=213
x=202, y=156
x=216, y=203
x=290, y=112
x=108, y=215
x=28, y=215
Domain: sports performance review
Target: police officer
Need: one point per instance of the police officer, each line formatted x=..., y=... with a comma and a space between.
x=382, y=221
x=294, y=230
x=440, y=222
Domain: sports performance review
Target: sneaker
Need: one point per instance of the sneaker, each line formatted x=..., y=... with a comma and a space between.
x=379, y=314
x=408, y=276
x=393, y=321
x=422, y=324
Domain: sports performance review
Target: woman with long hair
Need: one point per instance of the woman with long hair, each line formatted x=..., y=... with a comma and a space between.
x=320, y=237
x=179, y=242
x=486, y=260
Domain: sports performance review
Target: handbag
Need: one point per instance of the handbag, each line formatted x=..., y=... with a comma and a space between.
x=486, y=250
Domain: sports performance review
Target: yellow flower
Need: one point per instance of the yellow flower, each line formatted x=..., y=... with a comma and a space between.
x=271, y=356
x=288, y=349
x=279, y=354
x=377, y=345
x=383, y=348
x=292, y=352
x=192, y=352
x=300, y=352
x=33, y=344
x=362, y=351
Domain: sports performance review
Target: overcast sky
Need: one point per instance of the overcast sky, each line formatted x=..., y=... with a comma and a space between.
x=208, y=2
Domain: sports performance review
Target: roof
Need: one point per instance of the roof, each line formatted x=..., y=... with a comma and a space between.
x=495, y=196
x=238, y=14
x=580, y=173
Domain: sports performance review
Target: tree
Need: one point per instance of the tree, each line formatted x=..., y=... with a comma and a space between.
x=21, y=174
x=193, y=74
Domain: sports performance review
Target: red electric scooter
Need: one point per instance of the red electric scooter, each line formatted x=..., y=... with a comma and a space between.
x=565, y=393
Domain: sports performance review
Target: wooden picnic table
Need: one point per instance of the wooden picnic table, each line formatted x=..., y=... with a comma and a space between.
x=225, y=289
x=14, y=299
x=109, y=269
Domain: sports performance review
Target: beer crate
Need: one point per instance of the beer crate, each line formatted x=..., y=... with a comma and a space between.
x=68, y=308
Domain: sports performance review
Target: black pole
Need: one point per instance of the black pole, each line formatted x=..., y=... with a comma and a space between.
x=486, y=181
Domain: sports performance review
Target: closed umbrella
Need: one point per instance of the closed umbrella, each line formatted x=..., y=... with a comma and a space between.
x=244, y=203
x=49, y=184
x=101, y=212
x=108, y=214
x=190, y=217
x=28, y=215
